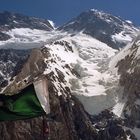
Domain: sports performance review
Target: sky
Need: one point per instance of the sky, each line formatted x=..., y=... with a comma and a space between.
x=61, y=11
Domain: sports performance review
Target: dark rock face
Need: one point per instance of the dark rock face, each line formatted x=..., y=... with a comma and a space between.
x=129, y=69
x=100, y=26
x=71, y=121
x=31, y=129
x=110, y=127
x=4, y=37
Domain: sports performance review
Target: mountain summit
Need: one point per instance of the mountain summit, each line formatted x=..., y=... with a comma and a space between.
x=112, y=30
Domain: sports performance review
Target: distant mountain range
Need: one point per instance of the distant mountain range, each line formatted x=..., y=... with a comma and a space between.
x=112, y=30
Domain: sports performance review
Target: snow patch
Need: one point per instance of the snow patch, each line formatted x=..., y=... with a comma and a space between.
x=128, y=21
x=121, y=37
x=118, y=108
x=52, y=23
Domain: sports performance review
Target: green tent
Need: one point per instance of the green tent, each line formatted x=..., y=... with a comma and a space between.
x=23, y=105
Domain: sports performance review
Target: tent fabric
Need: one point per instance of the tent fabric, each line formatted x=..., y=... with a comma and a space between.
x=41, y=89
x=20, y=106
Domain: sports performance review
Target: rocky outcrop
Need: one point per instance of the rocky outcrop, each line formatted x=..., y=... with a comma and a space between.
x=129, y=70
x=4, y=37
x=23, y=129
x=71, y=122
x=110, y=127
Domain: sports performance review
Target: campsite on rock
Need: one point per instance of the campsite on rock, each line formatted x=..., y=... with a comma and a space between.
x=78, y=81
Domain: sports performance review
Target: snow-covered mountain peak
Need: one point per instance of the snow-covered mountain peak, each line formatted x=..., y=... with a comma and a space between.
x=19, y=30
x=109, y=18
x=102, y=15
x=112, y=30
x=10, y=20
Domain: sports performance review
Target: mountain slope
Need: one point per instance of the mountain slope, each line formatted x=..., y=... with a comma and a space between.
x=107, y=28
